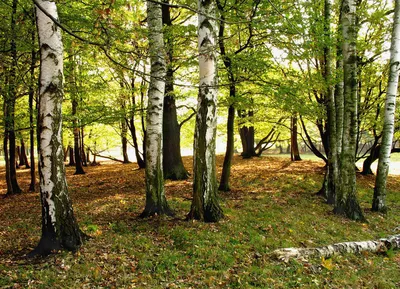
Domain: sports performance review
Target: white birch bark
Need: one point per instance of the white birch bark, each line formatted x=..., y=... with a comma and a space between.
x=381, y=245
x=205, y=204
x=155, y=194
x=50, y=97
x=379, y=200
x=59, y=228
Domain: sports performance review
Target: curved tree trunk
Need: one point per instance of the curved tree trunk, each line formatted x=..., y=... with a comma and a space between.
x=132, y=128
x=156, y=202
x=205, y=205
x=373, y=156
x=379, y=200
x=59, y=227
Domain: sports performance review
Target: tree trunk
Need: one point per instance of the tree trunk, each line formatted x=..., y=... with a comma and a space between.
x=31, y=108
x=294, y=152
x=373, y=156
x=172, y=159
x=77, y=150
x=132, y=128
x=156, y=202
x=59, y=227
x=247, y=137
x=346, y=199
x=82, y=146
x=71, y=157
x=230, y=147
x=24, y=158
x=379, y=200
x=124, y=141
x=205, y=205
x=18, y=159
x=230, y=126
x=332, y=173
x=9, y=112
x=377, y=246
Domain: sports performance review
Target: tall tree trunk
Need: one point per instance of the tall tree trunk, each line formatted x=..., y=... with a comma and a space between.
x=124, y=141
x=230, y=142
x=77, y=149
x=59, y=227
x=31, y=107
x=346, y=199
x=156, y=202
x=294, y=152
x=205, y=204
x=332, y=173
x=82, y=146
x=172, y=159
x=379, y=200
x=9, y=112
x=132, y=128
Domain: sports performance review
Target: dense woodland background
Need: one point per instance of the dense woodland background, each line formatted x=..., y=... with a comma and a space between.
x=142, y=84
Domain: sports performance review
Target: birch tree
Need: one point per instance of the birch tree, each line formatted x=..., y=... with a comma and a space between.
x=59, y=227
x=379, y=199
x=156, y=202
x=346, y=200
x=205, y=205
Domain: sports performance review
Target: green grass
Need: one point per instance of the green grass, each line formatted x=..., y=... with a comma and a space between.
x=269, y=208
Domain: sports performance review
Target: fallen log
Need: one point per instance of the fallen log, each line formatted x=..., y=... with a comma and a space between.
x=381, y=245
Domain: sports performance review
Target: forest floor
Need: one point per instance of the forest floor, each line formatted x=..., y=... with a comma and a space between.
x=272, y=205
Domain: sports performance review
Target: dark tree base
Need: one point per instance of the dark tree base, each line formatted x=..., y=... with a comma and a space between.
x=351, y=209
x=376, y=207
x=176, y=175
x=49, y=245
x=156, y=211
x=211, y=214
x=15, y=192
x=31, y=187
x=224, y=187
x=79, y=172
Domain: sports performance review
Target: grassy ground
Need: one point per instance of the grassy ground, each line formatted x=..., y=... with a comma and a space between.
x=271, y=206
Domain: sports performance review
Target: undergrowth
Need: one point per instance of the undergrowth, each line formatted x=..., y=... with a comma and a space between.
x=272, y=205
